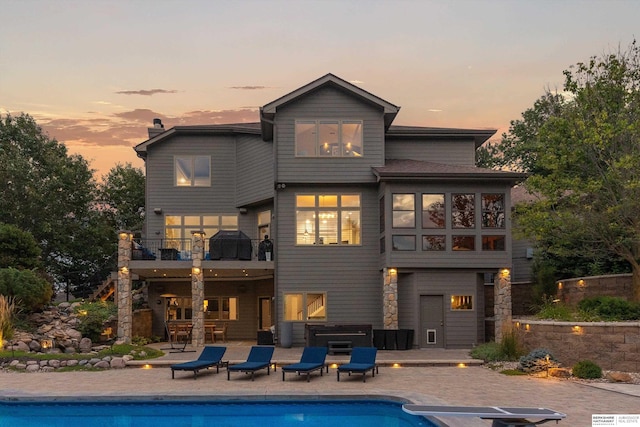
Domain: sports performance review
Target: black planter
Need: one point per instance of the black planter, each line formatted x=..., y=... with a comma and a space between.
x=378, y=339
x=404, y=339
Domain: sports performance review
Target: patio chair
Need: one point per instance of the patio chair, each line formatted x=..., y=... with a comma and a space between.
x=259, y=358
x=210, y=356
x=312, y=360
x=363, y=359
x=221, y=332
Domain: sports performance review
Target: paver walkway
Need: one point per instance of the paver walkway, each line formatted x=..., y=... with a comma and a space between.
x=430, y=383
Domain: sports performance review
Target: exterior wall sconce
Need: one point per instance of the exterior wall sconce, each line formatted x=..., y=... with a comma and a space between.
x=196, y=270
x=281, y=186
x=581, y=283
x=577, y=330
x=124, y=270
x=559, y=285
x=243, y=211
x=157, y=211
x=504, y=272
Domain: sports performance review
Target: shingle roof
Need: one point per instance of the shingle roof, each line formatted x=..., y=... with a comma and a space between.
x=415, y=169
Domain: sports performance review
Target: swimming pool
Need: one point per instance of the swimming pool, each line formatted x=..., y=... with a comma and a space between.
x=201, y=413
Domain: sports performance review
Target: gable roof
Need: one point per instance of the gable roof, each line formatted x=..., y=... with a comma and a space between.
x=268, y=111
x=403, y=169
x=225, y=129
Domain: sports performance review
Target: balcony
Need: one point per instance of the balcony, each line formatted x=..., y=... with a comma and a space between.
x=180, y=250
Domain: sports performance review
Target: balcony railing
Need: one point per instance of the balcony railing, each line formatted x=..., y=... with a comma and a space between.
x=178, y=250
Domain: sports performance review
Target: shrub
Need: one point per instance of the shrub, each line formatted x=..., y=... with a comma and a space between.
x=489, y=352
x=510, y=348
x=611, y=308
x=7, y=311
x=554, y=310
x=586, y=369
x=538, y=360
x=92, y=317
x=30, y=291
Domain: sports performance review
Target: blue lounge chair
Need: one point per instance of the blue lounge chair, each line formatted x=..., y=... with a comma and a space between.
x=210, y=356
x=363, y=359
x=259, y=358
x=312, y=360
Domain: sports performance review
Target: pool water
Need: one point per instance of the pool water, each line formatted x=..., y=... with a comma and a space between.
x=235, y=413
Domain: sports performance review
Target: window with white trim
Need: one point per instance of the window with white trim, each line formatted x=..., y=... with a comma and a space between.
x=305, y=306
x=328, y=219
x=192, y=171
x=179, y=228
x=329, y=138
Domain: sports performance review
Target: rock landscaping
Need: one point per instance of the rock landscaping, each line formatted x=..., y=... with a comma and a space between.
x=56, y=333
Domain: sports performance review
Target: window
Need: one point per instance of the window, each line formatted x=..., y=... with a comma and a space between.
x=178, y=228
x=328, y=219
x=463, y=210
x=192, y=171
x=434, y=243
x=404, y=211
x=493, y=243
x=493, y=211
x=464, y=243
x=461, y=302
x=305, y=306
x=404, y=243
x=328, y=138
x=433, y=213
x=221, y=308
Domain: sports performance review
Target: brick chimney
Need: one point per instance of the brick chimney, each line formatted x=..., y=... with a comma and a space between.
x=157, y=128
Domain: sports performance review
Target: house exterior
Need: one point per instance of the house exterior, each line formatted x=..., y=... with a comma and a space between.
x=369, y=223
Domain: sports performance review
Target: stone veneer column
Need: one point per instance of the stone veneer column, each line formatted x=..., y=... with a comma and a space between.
x=390, y=298
x=123, y=290
x=502, y=303
x=197, y=289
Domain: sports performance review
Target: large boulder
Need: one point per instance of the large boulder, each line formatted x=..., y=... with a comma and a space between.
x=619, y=377
x=85, y=345
x=117, y=363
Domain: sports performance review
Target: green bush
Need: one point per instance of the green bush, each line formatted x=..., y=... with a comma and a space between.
x=610, y=308
x=7, y=312
x=489, y=352
x=586, y=369
x=31, y=292
x=92, y=317
x=554, y=310
x=538, y=360
x=510, y=348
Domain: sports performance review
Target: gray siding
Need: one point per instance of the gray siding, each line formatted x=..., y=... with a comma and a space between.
x=461, y=327
x=328, y=103
x=522, y=265
x=350, y=275
x=161, y=192
x=456, y=152
x=254, y=174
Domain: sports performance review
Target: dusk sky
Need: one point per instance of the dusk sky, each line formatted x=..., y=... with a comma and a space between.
x=95, y=73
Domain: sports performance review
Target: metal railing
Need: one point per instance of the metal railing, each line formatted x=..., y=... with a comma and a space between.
x=177, y=250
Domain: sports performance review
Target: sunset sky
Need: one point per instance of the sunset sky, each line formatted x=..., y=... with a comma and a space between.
x=95, y=73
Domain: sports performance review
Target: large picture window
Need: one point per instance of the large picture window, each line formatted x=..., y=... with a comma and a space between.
x=404, y=211
x=328, y=219
x=305, y=306
x=178, y=228
x=192, y=171
x=329, y=138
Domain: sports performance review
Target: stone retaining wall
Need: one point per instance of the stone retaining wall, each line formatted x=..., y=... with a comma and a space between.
x=612, y=345
x=572, y=291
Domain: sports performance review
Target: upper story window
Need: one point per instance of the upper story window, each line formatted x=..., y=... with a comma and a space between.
x=328, y=219
x=192, y=171
x=404, y=211
x=493, y=211
x=433, y=212
x=463, y=210
x=179, y=228
x=328, y=138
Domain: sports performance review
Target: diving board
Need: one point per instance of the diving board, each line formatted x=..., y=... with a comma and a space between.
x=512, y=416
